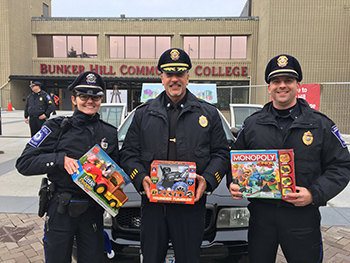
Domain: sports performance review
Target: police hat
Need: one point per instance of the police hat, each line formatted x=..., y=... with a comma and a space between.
x=174, y=60
x=283, y=65
x=88, y=83
x=34, y=83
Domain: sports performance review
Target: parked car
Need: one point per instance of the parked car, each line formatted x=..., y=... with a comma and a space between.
x=238, y=113
x=225, y=236
x=114, y=113
x=226, y=224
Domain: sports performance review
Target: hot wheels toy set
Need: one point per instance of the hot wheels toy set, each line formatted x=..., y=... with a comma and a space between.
x=102, y=179
x=173, y=182
x=264, y=173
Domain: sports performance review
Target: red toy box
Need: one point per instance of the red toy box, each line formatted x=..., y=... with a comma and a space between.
x=264, y=173
x=173, y=182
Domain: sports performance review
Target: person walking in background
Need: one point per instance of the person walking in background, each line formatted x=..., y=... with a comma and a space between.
x=175, y=126
x=56, y=99
x=38, y=107
x=71, y=214
x=322, y=168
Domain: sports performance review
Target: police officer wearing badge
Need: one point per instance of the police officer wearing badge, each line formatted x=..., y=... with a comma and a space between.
x=197, y=136
x=54, y=151
x=322, y=168
x=39, y=106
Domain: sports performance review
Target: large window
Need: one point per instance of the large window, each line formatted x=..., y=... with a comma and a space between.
x=138, y=46
x=216, y=47
x=59, y=46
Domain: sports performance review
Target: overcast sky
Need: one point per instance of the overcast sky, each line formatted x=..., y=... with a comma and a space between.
x=144, y=8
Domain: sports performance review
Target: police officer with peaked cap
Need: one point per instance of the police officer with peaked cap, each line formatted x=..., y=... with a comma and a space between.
x=322, y=168
x=195, y=135
x=54, y=151
x=38, y=108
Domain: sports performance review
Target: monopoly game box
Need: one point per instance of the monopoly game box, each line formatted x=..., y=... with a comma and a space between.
x=264, y=173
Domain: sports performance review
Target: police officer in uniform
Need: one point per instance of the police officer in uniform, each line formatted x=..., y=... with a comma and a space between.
x=195, y=134
x=322, y=168
x=54, y=151
x=39, y=106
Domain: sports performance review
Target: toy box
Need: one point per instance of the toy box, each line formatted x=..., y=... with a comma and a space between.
x=173, y=182
x=264, y=173
x=102, y=179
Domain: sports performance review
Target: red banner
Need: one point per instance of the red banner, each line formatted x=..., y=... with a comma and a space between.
x=310, y=93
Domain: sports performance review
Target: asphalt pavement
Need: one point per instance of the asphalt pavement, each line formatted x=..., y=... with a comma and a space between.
x=21, y=229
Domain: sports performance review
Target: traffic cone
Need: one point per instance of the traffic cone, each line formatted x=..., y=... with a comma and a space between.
x=9, y=107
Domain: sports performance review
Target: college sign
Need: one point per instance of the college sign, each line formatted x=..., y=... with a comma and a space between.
x=132, y=70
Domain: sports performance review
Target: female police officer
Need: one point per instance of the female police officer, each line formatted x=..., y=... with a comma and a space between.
x=54, y=150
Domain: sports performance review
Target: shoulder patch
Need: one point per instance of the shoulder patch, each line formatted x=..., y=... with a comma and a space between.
x=48, y=98
x=337, y=134
x=40, y=136
x=242, y=128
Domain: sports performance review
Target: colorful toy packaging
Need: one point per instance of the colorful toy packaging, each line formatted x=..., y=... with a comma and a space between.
x=173, y=182
x=102, y=179
x=264, y=173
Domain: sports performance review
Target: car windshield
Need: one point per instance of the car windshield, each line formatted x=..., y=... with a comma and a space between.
x=123, y=128
x=112, y=114
x=241, y=113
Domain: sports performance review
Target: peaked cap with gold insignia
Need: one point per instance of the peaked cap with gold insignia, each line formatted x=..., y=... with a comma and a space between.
x=174, y=60
x=283, y=65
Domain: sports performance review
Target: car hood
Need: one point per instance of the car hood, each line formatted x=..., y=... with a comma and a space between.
x=221, y=196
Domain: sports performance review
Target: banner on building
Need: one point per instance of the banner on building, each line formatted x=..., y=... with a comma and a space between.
x=310, y=93
x=206, y=92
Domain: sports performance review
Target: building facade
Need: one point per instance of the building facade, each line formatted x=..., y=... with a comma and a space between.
x=231, y=52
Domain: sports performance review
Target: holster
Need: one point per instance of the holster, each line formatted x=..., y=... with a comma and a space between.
x=44, y=197
x=77, y=206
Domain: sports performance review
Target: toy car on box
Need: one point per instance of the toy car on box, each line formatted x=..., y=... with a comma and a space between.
x=102, y=179
x=173, y=182
x=264, y=173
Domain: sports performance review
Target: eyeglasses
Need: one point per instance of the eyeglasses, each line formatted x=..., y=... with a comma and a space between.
x=84, y=97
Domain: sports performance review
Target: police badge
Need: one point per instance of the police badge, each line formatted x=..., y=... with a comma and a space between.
x=308, y=138
x=175, y=54
x=91, y=79
x=104, y=143
x=203, y=121
x=282, y=61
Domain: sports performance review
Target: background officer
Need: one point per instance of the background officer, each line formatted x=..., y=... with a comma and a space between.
x=322, y=168
x=54, y=151
x=195, y=134
x=39, y=106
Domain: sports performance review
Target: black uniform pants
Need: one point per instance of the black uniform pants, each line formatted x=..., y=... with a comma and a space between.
x=296, y=229
x=60, y=230
x=35, y=125
x=182, y=224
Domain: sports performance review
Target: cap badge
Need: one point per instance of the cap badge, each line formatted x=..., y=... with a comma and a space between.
x=308, y=138
x=175, y=54
x=91, y=79
x=282, y=61
x=203, y=121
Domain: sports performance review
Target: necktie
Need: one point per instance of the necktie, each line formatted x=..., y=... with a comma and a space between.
x=172, y=136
